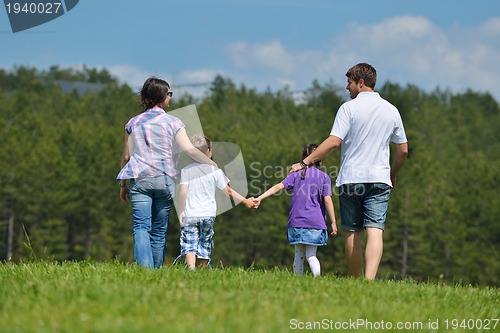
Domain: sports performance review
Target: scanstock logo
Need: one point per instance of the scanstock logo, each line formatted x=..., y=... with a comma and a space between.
x=25, y=15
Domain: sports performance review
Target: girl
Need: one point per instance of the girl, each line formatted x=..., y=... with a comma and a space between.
x=311, y=197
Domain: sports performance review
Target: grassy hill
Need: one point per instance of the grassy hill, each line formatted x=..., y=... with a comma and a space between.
x=116, y=297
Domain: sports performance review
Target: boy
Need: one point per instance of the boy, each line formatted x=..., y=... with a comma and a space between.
x=197, y=206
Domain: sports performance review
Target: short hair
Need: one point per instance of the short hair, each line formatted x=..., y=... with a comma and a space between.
x=201, y=142
x=363, y=71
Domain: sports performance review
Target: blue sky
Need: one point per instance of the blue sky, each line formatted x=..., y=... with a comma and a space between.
x=273, y=43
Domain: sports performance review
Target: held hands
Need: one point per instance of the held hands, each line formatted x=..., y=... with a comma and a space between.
x=252, y=202
x=249, y=203
x=256, y=202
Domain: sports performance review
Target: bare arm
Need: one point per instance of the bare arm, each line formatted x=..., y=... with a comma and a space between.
x=124, y=192
x=324, y=149
x=188, y=148
x=181, y=204
x=399, y=159
x=249, y=203
x=273, y=190
x=331, y=214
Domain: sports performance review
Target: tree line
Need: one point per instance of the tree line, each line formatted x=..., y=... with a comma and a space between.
x=60, y=155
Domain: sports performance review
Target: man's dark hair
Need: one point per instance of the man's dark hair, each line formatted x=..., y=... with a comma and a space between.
x=363, y=71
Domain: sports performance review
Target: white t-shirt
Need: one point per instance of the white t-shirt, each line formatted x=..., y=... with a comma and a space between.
x=366, y=125
x=201, y=180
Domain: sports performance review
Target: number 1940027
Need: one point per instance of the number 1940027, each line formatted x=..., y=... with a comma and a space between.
x=471, y=324
x=34, y=8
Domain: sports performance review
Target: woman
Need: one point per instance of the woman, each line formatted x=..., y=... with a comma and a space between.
x=153, y=141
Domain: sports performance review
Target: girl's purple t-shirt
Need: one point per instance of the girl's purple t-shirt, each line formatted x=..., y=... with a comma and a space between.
x=307, y=205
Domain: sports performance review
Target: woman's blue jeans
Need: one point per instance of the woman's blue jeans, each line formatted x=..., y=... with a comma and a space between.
x=152, y=200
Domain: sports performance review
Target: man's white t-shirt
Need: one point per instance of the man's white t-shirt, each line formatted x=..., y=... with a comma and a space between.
x=366, y=125
x=202, y=179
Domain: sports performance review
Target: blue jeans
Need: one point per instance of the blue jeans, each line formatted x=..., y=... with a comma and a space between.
x=363, y=205
x=152, y=200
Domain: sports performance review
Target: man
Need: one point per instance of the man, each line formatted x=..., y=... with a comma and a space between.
x=364, y=127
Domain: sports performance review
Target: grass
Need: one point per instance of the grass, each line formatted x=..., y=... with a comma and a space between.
x=116, y=297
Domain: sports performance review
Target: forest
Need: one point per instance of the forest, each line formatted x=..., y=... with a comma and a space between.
x=60, y=154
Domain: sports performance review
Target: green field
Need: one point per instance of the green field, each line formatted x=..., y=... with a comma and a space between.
x=117, y=297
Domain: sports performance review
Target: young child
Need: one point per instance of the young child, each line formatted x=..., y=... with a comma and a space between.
x=197, y=206
x=311, y=197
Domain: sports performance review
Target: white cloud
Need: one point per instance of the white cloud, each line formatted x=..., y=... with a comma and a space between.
x=131, y=75
x=404, y=49
x=193, y=76
x=286, y=83
x=271, y=55
x=491, y=27
x=183, y=82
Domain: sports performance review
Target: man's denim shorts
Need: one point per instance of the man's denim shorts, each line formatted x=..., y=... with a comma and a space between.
x=363, y=205
x=197, y=236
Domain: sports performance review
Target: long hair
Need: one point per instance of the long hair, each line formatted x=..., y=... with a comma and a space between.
x=153, y=92
x=306, y=151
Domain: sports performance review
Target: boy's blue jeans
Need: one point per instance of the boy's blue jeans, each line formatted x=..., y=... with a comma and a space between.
x=152, y=200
